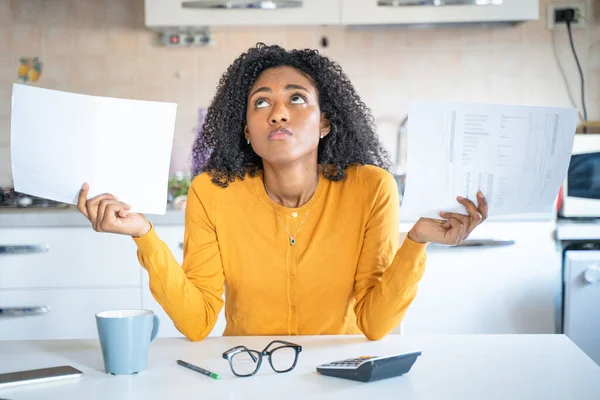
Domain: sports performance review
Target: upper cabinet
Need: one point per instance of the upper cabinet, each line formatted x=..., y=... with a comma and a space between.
x=161, y=14
x=366, y=12
x=201, y=13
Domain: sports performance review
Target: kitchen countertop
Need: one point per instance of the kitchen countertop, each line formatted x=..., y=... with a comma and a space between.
x=578, y=229
x=450, y=367
x=70, y=217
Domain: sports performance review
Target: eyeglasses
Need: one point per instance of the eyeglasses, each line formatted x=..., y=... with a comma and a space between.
x=245, y=362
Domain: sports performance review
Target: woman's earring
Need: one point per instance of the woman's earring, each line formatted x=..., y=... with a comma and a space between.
x=321, y=135
x=248, y=140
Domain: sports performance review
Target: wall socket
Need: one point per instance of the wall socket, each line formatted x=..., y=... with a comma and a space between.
x=172, y=37
x=580, y=15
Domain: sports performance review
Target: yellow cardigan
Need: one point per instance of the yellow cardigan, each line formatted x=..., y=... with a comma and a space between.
x=345, y=273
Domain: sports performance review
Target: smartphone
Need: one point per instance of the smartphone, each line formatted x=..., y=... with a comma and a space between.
x=38, y=375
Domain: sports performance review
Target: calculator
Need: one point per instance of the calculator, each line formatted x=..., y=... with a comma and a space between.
x=370, y=368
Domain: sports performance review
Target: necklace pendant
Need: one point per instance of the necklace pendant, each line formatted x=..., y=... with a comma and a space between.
x=292, y=241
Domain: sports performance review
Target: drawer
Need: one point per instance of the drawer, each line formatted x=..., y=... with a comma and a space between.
x=71, y=315
x=490, y=288
x=66, y=257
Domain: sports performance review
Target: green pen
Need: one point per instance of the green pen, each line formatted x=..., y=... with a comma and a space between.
x=198, y=369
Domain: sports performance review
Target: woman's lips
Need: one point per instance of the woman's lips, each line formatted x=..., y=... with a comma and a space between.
x=280, y=134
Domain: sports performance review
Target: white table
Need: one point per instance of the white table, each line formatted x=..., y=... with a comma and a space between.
x=450, y=367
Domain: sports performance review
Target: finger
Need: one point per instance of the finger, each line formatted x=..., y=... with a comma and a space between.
x=461, y=217
x=92, y=206
x=457, y=230
x=81, y=200
x=101, y=222
x=483, y=205
x=475, y=216
x=111, y=215
x=122, y=210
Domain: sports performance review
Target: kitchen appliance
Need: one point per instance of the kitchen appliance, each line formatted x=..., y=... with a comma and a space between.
x=580, y=194
x=581, y=304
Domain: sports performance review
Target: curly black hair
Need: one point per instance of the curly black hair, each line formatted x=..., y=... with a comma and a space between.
x=351, y=141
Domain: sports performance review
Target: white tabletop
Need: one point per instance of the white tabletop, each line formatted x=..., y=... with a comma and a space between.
x=450, y=367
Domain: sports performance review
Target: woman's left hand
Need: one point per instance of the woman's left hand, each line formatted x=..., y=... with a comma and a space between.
x=455, y=228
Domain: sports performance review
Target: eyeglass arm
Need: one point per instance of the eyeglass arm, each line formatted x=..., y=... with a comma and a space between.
x=237, y=349
x=294, y=345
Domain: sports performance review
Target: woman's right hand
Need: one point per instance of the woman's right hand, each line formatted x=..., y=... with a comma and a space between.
x=107, y=214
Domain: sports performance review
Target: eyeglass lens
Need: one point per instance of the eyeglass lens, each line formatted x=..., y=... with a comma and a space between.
x=283, y=358
x=244, y=363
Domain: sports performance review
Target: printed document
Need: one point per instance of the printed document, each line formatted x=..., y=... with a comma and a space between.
x=517, y=156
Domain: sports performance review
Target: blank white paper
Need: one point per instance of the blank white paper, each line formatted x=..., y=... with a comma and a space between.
x=60, y=140
x=517, y=156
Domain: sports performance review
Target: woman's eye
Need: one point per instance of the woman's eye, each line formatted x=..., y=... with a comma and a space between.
x=298, y=100
x=261, y=103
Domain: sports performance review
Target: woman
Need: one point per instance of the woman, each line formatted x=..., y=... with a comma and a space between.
x=293, y=214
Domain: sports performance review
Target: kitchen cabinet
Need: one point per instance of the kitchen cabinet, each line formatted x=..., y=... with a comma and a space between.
x=509, y=285
x=173, y=237
x=170, y=13
x=390, y=12
x=491, y=289
x=166, y=14
x=71, y=315
x=66, y=257
x=74, y=272
x=488, y=289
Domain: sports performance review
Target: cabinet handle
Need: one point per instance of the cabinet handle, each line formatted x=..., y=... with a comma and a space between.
x=23, y=311
x=237, y=4
x=402, y=3
x=24, y=248
x=477, y=243
x=181, y=245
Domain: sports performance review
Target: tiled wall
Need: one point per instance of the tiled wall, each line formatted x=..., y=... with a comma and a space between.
x=101, y=47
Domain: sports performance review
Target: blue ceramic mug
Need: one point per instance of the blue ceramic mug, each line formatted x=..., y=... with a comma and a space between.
x=124, y=339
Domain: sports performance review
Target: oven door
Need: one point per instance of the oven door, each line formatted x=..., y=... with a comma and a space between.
x=581, y=191
x=582, y=299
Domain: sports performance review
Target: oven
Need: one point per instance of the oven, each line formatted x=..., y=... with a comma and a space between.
x=580, y=194
x=581, y=296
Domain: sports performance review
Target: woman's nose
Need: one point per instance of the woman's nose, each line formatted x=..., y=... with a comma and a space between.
x=279, y=114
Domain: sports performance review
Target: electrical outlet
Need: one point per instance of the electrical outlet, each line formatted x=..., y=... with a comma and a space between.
x=186, y=38
x=580, y=15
